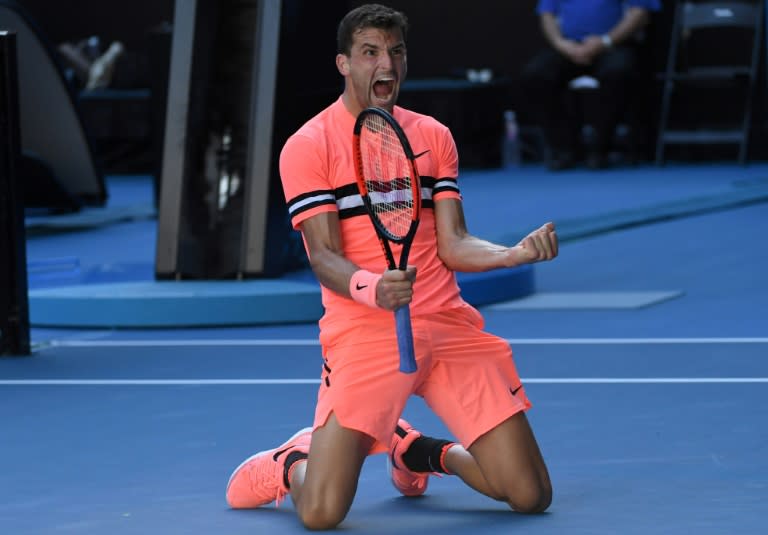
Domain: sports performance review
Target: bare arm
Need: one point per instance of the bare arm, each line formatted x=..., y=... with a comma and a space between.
x=551, y=30
x=333, y=270
x=573, y=50
x=634, y=19
x=461, y=251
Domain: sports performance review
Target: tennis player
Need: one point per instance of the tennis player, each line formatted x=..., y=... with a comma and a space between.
x=466, y=375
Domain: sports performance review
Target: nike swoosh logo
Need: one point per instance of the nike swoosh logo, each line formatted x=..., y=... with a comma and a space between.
x=419, y=155
x=358, y=287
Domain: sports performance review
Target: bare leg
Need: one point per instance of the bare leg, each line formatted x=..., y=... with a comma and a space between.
x=324, y=487
x=505, y=464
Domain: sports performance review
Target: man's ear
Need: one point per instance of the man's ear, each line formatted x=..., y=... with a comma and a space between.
x=342, y=63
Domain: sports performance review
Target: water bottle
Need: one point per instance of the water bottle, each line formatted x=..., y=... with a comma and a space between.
x=510, y=146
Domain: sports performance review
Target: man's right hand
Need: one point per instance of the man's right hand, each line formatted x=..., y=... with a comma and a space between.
x=576, y=52
x=395, y=289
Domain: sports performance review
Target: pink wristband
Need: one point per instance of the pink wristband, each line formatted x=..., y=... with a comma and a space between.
x=362, y=287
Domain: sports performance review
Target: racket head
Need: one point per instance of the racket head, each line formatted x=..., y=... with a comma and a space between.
x=386, y=174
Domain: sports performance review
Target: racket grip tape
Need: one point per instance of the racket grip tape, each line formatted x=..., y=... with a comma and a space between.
x=405, y=339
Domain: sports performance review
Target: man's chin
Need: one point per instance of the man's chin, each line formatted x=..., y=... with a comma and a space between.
x=387, y=102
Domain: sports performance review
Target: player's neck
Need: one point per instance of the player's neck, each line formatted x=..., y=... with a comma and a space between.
x=351, y=104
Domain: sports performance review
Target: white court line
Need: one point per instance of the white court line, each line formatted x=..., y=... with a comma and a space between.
x=228, y=382
x=292, y=342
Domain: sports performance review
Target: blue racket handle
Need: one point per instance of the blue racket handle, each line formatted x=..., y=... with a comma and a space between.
x=405, y=339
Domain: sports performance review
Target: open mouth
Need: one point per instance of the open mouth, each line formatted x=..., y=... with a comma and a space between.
x=383, y=88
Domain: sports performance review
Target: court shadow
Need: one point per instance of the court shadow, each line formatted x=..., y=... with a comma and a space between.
x=446, y=514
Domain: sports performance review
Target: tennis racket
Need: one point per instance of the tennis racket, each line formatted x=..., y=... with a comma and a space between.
x=389, y=185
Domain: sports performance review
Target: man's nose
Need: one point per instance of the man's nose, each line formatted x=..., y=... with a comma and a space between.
x=386, y=60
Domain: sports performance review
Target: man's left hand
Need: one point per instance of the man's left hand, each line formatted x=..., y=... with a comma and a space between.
x=538, y=246
x=593, y=46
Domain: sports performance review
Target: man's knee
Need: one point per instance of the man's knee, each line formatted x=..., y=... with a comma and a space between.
x=322, y=512
x=524, y=493
x=531, y=500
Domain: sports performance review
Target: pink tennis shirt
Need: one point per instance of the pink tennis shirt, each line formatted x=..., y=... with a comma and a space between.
x=317, y=172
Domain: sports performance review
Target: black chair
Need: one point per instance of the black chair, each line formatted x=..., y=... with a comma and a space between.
x=712, y=68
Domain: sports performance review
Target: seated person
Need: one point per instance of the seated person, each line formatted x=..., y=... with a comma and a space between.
x=585, y=37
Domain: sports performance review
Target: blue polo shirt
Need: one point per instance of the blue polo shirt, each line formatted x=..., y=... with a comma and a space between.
x=579, y=18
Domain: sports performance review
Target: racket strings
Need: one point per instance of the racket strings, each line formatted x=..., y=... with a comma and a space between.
x=387, y=173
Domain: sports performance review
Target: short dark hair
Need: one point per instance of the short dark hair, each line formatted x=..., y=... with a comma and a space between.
x=368, y=16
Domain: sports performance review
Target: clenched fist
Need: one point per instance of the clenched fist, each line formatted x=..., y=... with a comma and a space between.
x=539, y=245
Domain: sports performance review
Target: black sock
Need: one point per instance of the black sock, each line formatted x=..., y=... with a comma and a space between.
x=292, y=458
x=425, y=455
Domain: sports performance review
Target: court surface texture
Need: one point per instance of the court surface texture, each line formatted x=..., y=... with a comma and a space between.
x=644, y=350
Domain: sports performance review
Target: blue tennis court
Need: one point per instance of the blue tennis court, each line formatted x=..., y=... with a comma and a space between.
x=644, y=350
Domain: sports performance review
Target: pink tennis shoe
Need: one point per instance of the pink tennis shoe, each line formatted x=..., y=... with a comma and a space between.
x=259, y=479
x=407, y=482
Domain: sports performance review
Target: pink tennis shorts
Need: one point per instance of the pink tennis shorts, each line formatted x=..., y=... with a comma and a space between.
x=465, y=375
